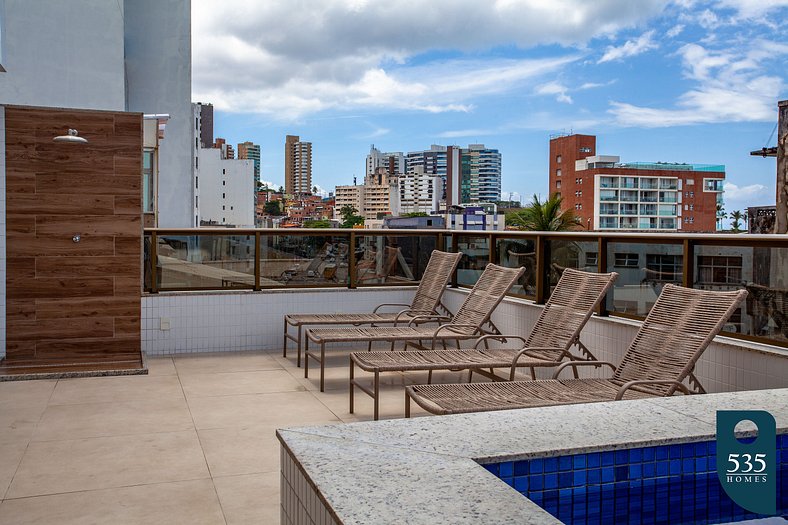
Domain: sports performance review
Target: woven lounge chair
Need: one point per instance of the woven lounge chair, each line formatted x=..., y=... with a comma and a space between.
x=468, y=322
x=677, y=330
x=556, y=331
x=426, y=302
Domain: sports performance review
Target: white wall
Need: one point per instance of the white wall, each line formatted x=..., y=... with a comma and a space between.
x=63, y=54
x=226, y=189
x=158, y=80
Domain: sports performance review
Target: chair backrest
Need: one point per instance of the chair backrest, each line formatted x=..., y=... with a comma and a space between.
x=570, y=306
x=485, y=295
x=433, y=282
x=677, y=330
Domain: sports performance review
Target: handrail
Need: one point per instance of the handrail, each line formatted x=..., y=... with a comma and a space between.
x=688, y=245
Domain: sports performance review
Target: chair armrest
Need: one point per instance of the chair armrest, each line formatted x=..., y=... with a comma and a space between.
x=630, y=384
x=421, y=318
x=562, y=366
x=378, y=307
x=497, y=337
x=450, y=326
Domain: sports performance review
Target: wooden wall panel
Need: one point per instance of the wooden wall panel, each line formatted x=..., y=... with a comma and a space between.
x=73, y=304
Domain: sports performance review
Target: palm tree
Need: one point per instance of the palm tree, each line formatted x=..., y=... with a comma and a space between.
x=720, y=215
x=737, y=216
x=543, y=216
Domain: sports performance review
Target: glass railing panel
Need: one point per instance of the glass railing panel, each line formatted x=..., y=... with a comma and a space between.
x=477, y=255
x=304, y=260
x=514, y=253
x=760, y=271
x=392, y=259
x=643, y=270
x=629, y=196
x=562, y=254
x=204, y=261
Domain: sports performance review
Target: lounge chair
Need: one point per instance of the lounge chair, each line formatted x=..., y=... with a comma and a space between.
x=426, y=302
x=556, y=331
x=677, y=330
x=468, y=322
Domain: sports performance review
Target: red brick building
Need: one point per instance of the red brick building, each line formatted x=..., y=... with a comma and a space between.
x=610, y=195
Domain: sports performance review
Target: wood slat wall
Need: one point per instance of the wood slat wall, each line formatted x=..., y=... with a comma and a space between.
x=70, y=304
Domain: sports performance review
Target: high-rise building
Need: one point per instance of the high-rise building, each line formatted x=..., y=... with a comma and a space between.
x=206, y=125
x=251, y=151
x=394, y=162
x=227, y=149
x=607, y=194
x=378, y=196
x=419, y=192
x=298, y=165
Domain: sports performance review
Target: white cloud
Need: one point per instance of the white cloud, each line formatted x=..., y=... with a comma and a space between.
x=737, y=197
x=272, y=58
x=630, y=48
x=731, y=86
x=753, y=9
x=461, y=133
x=675, y=31
x=554, y=88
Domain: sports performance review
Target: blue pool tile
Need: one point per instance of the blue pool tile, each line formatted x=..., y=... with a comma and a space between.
x=687, y=465
x=608, y=475
x=565, y=463
x=663, y=468
x=595, y=476
x=521, y=468
x=579, y=478
x=701, y=449
x=594, y=459
x=649, y=470
x=711, y=446
x=701, y=464
x=675, y=466
x=565, y=479
x=688, y=450
x=622, y=457
x=783, y=439
x=635, y=471
x=493, y=469
x=662, y=453
x=506, y=469
x=551, y=464
x=536, y=482
x=675, y=451
x=649, y=453
x=579, y=461
x=608, y=458
x=622, y=473
x=550, y=481
x=537, y=466
x=635, y=455
x=521, y=484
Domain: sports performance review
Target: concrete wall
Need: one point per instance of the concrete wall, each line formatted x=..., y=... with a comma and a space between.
x=63, y=54
x=226, y=189
x=158, y=80
x=2, y=233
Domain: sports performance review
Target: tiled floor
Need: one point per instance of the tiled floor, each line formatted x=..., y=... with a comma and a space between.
x=192, y=442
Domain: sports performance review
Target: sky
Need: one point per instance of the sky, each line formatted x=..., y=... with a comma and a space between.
x=655, y=80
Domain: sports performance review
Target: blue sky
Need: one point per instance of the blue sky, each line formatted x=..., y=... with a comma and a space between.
x=680, y=81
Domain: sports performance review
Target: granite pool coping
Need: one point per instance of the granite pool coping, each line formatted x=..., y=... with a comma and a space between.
x=428, y=469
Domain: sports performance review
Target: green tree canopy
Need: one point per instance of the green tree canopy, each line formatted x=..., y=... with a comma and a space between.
x=317, y=223
x=273, y=208
x=415, y=214
x=543, y=216
x=736, y=225
x=349, y=217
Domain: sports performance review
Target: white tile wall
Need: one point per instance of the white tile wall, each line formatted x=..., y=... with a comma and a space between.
x=2, y=233
x=727, y=365
x=222, y=321
x=300, y=504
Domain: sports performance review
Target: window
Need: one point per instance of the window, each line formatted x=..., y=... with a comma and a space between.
x=558, y=184
x=712, y=184
x=148, y=180
x=223, y=171
x=558, y=159
x=558, y=172
x=231, y=208
x=197, y=182
x=585, y=150
x=196, y=201
x=626, y=260
x=664, y=267
x=224, y=195
x=689, y=182
x=222, y=207
x=196, y=163
x=719, y=269
x=224, y=183
x=592, y=258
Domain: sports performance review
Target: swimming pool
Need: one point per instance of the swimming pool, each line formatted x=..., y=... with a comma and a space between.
x=674, y=484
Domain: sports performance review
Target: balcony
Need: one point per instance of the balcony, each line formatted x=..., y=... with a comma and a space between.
x=194, y=440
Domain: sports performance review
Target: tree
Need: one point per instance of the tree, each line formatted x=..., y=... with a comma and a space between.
x=314, y=190
x=281, y=189
x=543, y=216
x=319, y=223
x=349, y=217
x=736, y=225
x=720, y=215
x=273, y=208
x=415, y=214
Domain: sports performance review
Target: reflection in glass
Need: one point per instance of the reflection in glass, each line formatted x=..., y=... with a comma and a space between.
x=304, y=260
x=643, y=270
x=515, y=253
x=205, y=261
x=477, y=256
x=392, y=259
x=582, y=255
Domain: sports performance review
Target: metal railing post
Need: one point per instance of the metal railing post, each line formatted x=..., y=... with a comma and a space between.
x=542, y=280
x=257, y=261
x=154, y=241
x=352, y=261
x=601, y=259
x=688, y=268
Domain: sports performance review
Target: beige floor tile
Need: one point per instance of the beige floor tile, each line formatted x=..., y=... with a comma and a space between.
x=252, y=498
x=17, y=423
x=230, y=362
x=113, y=419
x=160, y=366
x=392, y=405
x=10, y=457
x=184, y=502
x=250, y=410
x=123, y=388
x=337, y=374
x=232, y=451
x=25, y=393
x=232, y=383
x=54, y=467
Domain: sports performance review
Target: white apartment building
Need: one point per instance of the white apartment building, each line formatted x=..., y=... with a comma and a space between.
x=393, y=162
x=223, y=187
x=419, y=192
x=379, y=195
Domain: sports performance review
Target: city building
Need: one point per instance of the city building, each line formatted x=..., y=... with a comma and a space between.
x=224, y=188
x=394, y=162
x=251, y=151
x=377, y=197
x=607, y=194
x=298, y=165
x=484, y=217
x=350, y=195
x=419, y=192
x=206, y=125
x=442, y=161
